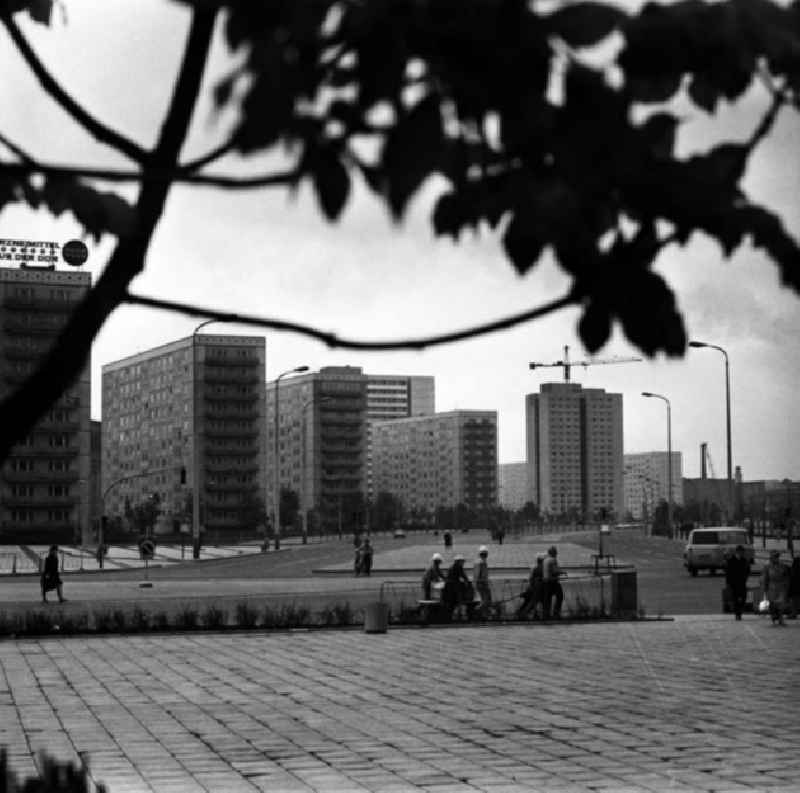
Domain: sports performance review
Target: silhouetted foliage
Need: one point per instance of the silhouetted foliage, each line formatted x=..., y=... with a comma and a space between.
x=498, y=98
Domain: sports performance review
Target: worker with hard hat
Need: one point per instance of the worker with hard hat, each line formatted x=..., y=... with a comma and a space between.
x=433, y=577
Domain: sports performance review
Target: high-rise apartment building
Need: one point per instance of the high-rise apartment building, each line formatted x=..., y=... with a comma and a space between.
x=513, y=484
x=646, y=482
x=183, y=415
x=44, y=483
x=321, y=443
x=438, y=461
x=574, y=450
x=394, y=397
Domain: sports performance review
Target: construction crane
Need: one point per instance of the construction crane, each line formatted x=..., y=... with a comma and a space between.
x=567, y=364
x=705, y=457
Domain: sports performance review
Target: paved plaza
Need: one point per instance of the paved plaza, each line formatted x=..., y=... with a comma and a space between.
x=695, y=704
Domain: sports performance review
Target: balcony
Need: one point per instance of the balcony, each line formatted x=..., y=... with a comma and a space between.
x=23, y=352
x=218, y=360
x=38, y=304
x=38, y=327
x=230, y=432
x=221, y=413
x=44, y=452
x=231, y=396
x=40, y=476
x=231, y=468
x=231, y=487
x=230, y=376
x=215, y=448
x=41, y=501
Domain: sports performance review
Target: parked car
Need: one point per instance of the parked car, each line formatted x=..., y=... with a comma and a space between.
x=709, y=548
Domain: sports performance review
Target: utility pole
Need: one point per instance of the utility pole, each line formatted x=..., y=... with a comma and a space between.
x=567, y=365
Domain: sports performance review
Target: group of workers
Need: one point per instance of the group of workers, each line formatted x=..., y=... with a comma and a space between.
x=459, y=596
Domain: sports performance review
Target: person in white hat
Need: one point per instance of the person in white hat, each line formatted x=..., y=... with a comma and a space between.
x=481, y=580
x=433, y=575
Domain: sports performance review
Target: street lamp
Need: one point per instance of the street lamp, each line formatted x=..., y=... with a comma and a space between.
x=276, y=512
x=196, y=445
x=669, y=459
x=303, y=510
x=727, y=416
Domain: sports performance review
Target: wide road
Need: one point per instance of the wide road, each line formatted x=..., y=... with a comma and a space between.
x=665, y=588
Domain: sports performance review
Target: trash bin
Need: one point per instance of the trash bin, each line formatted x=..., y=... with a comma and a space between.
x=624, y=595
x=376, y=617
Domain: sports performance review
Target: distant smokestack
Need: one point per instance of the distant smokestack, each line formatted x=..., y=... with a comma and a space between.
x=703, y=473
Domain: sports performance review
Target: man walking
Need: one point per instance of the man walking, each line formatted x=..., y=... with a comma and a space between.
x=481, y=580
x=552, y=587
x=737, y=571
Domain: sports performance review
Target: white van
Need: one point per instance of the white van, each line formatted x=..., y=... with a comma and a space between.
x=709, y=548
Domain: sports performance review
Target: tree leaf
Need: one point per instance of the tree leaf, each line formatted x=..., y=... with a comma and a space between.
x=649, y=316
x=585, y=24
x=413, y=151
x=448, y=216
x=703, y=93
x=330, y=179
x=594, y=326
x=523, y=242
x=768, y=233
x=98, y=212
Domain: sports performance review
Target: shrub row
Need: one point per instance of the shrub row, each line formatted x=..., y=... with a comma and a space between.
x=246, y=614
x=186, y=617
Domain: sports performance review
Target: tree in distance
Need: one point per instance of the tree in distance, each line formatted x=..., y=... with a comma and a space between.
x=394, y=91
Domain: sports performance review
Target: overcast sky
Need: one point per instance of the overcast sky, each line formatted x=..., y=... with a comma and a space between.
x=267, y=253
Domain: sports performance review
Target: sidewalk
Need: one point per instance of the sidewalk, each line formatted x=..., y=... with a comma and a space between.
x=703, y=704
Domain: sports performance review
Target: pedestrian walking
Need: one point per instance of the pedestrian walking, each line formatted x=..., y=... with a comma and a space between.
x=481, y=580
x=533, y=596
x=365, y=554
x=775, y=583
x=433, y=577
x=794, y=588
x=737, y=570
x=50, y=576
x=458, y=590
x=553, y=591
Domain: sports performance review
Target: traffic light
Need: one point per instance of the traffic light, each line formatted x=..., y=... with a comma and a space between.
x=183, y=476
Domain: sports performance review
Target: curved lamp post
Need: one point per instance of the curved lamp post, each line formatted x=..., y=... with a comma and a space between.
x=196, y=446
x=276, y=510
x=669, y=459
x=731, y=503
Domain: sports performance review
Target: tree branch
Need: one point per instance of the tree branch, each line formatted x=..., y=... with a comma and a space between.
x=334, y=341
x=157, y=175
x=70, y=351
x=207, y=159
x=97, y=129
x=14, y=149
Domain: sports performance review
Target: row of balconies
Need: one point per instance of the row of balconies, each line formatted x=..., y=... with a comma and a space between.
x=42, y=501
